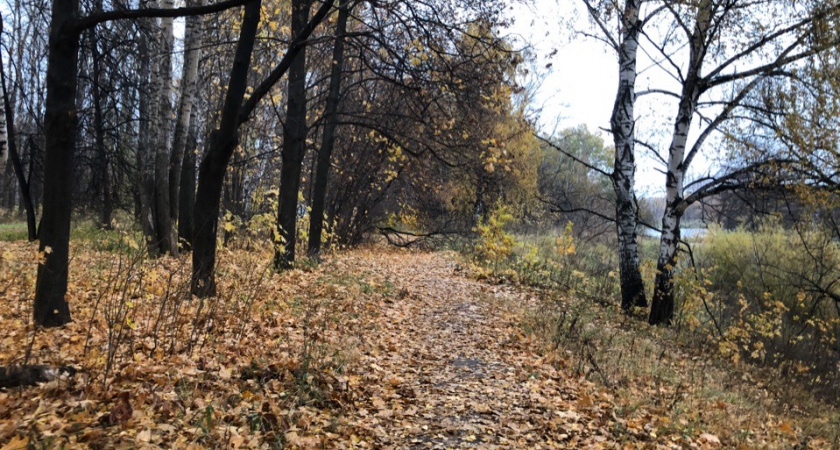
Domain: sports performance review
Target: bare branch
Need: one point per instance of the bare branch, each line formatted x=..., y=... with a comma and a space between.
x=573, y=157
x=84, y=23
x=593, y=13
x=294, y=48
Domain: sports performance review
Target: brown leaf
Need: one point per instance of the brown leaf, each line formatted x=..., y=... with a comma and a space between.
x=120, y=412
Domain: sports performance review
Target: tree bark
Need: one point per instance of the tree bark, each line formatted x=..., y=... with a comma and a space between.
x=104, y=181
x=623, y=123
x=294, y=145
x=60, y=117
x=145, y=172
x=662, y=308
x=211, y=177
x=221, y=145
x=189, y=75
x=8, y=146
x=319, y=194
x=17, y=165
x=166, y=240
x=4, y=134
x=186, y=190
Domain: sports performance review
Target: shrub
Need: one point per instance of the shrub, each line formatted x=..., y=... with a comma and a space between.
x=494, y=244
x=775, y=297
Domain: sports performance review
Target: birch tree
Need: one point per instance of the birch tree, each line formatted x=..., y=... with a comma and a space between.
x=733, y=47
x=625, y=43
x=184, y=117
x=622, y=125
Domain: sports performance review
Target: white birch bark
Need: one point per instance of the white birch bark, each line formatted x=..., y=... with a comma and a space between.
x=662, y=309
x=623, y=129
x=162, y=122
x=189, y=76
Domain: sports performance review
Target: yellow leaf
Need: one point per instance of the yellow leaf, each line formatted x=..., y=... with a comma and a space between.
x=17, y=443
x=785, y=428
x=144, y=436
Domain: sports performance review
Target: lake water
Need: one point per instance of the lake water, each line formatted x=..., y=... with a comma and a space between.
x=684, y=232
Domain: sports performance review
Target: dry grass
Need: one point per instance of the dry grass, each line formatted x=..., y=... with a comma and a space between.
x=668, y=389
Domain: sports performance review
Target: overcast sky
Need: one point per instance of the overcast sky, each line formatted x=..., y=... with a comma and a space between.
x=579, y=87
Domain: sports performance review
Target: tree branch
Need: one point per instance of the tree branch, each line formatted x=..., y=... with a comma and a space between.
x=573, y=157
x=294, y=48
x=83, y=23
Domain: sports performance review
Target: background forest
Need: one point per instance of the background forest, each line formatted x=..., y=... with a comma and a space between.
x=177, y=178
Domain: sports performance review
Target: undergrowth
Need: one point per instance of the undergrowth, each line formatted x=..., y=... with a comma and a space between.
x=685, y=377
x=251, y=367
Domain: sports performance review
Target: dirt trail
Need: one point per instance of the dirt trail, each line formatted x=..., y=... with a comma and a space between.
x=449, y=368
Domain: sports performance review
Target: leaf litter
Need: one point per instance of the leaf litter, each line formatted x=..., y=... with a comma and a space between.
x=373, y=349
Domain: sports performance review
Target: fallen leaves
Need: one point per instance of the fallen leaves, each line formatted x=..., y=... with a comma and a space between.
x=120, y=412
x=373, y=349
x=709, y=438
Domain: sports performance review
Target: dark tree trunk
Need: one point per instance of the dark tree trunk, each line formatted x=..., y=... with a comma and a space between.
x=11, y=143
x=27, y=193
x=319, y=193
x=104, y=182
x=60, y=117
x=294, y=144
x=166, y=239
x=36, y=172
x=221, y=144
x=50, y=306
x=145, y=174
x=479, y=207
x=214, y=164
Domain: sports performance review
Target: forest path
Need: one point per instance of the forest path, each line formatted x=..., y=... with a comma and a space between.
x=448, y=366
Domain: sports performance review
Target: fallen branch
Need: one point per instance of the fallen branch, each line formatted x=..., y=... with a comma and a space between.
x=404, y=239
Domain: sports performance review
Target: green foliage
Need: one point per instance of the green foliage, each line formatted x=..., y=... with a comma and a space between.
x=767, y=297
x=13, y=231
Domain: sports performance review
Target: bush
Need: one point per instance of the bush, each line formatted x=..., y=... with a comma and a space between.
x=494, y=244
x=774, y=297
